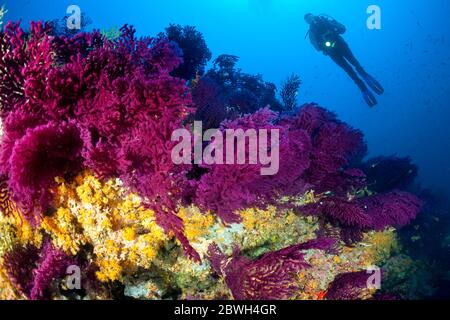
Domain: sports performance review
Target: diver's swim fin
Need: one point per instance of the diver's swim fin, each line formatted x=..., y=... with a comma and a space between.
x=369, y=98
x=374, y=84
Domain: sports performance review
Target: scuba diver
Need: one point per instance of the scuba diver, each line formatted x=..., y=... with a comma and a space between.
x=325, y=35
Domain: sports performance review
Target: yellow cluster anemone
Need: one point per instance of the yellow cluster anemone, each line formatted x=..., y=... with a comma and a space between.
x=380, y=246
x=15, y=230
x=123, y=233
x=196, y=223
x=275, y=229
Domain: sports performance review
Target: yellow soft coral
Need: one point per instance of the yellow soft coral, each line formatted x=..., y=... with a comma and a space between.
x=380, y=245
x=197, y=224
x=65, y=230
x=275, y=228
x=124, y=235
x=15, y=230
x=7, y=289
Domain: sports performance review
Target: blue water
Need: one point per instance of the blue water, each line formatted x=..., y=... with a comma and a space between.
x=410, y=55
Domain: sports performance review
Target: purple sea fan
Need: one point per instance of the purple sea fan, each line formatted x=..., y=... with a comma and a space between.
x=210, y=102
x=37, y=158
x=52, y=265
x=271, y=277
x=395, y=209
x=195, y=51
x=12, y=51
x=348, y=215
x=226, y=189
x=15, y=126
x=38, y=64
x=19, y=264
x=341, y=182
x=32, y=270
x=310, y=118
x=289, y=92
x=389, y=173
x=335, y=145
x=350, y=286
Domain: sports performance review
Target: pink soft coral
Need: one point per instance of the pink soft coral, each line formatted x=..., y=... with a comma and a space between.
x=42, y=154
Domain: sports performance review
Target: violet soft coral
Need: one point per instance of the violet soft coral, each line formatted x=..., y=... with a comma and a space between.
x=310, y=157
x=341, y=212
x=388, y=173
x=271, y=277
x=19, y=264
x=33, y=270
x=52, y=265
x=37, y=158
x=120, y=105
x=335, y=145
x=228, y=188
x=394, y=209
x=195, y=51
x=350, y=286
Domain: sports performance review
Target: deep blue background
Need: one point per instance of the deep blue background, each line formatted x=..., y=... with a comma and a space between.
x=410, y=56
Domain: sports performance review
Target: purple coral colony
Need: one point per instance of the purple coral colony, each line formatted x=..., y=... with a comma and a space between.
x=89, y=188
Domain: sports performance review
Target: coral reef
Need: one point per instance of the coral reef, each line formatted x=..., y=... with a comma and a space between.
x=3, y=11
x=112, y=33
x=289, y=92
x=195, y=50
x=33, y=270
x=226, y=93
x=87, y=179
x=387, y=173
x=269, y=277
x=350, y=286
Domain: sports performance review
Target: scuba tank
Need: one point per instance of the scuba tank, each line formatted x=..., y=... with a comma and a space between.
x=338, y=27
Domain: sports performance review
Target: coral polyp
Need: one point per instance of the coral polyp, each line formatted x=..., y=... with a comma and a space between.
x=88, y=180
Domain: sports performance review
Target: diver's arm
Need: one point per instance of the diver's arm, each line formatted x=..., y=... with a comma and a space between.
x=314, y=41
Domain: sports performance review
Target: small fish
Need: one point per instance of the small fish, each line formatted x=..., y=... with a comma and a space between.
x=364, y=244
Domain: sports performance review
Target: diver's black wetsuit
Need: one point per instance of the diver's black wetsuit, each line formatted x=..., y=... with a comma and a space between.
x=343, y=57
x=325, y=35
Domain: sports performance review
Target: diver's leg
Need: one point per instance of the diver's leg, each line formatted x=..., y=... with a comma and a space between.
x=367, y=95
x=348, y=54
x=340, y=61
